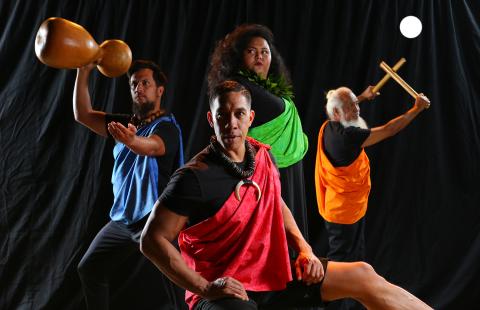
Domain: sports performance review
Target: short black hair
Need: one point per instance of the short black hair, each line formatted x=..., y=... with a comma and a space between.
x=139, y=64
x=226, y=87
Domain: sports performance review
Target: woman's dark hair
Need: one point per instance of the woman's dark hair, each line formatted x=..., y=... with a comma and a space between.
x=227, y=58
x=139, y=64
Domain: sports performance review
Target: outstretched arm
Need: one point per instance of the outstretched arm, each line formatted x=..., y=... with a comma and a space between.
x=162, y=227
x=391, y=128
x=152, y=145
x=82, y=106
x=307, y=266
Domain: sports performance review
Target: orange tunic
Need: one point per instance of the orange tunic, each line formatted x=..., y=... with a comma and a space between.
x=342, y=192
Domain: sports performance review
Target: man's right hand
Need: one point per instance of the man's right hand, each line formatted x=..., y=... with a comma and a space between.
x=308, y=268
x=422, y=102
x=225, y=287
x=87, y=68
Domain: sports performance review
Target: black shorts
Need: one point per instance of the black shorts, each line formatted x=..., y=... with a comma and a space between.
x=296, y=294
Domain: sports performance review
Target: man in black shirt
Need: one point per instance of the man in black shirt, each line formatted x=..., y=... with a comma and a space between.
x=342, y=170
x=148, y=149
x=233, y=226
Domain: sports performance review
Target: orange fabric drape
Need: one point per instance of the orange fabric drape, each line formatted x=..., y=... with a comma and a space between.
x=342, y=192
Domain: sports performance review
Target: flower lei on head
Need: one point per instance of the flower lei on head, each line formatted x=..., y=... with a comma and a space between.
x=278, y=86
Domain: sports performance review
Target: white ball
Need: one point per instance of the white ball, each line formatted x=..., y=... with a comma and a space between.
x=410, y=27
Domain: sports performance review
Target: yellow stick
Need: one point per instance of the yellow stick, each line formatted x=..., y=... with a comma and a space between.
x=387, y=76
x=399, y=80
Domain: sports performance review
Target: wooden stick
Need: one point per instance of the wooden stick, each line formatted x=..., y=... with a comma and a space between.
x=387, y=76
x=399, y=80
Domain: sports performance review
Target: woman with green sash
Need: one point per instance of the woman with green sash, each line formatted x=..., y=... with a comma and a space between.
x=248, y=55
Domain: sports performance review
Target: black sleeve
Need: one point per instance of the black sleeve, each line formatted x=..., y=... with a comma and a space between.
x=182, y=194
x=169, y=134
x=355, y=136
x=342, y=145
x=266, y=105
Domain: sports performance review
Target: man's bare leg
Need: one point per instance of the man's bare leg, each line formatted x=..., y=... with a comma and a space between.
x=360, y=281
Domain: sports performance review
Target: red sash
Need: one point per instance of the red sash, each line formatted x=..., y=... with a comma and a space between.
x=245, y=239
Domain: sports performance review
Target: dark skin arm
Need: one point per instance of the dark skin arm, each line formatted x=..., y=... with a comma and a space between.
x=152, y=145
x=307, y=266
x=391, y=128
x=82, y=106
x=161, y=229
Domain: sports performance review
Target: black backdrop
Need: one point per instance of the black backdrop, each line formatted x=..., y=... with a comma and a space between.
x=423, y=223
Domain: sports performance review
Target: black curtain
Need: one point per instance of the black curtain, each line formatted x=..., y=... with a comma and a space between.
x=423, y=221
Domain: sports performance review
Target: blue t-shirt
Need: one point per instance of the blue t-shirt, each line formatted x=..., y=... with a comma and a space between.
x=135, y=178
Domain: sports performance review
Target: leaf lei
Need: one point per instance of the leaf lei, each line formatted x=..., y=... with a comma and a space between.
x=275, y=85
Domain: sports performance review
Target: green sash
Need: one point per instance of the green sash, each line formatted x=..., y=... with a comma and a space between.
x=285, y=135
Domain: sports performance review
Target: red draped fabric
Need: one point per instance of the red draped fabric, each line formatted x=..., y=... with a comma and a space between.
x=245, y=239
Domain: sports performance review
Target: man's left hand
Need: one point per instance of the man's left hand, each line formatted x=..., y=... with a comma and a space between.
x=121, y=133
x=308, y=268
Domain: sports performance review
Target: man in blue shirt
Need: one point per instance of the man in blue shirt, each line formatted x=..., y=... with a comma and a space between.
x=148, y=150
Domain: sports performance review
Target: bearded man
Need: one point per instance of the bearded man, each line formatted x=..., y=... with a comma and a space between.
x=342, y=171
x=148, y=150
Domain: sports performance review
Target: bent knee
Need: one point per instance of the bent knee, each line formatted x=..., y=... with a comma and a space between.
x=372, y=281
x=364, y=268
x=366, y=274
x=348, y=280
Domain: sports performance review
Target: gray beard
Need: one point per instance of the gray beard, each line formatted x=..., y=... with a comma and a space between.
x=359, y=122
x=143, y=110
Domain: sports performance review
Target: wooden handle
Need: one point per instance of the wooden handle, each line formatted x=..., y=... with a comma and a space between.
x=398, y=79
x=387, y=76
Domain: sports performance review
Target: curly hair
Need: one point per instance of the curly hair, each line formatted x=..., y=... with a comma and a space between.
x=227, y=57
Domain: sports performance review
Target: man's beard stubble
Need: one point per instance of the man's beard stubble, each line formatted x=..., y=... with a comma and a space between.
x=142, y=110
